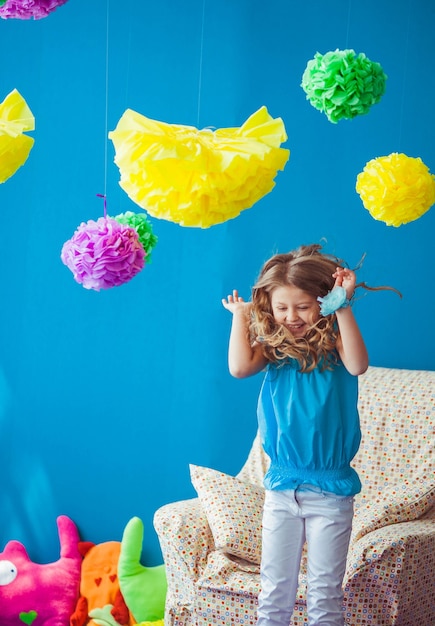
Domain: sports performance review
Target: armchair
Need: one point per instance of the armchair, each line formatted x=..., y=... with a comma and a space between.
x=211, y=544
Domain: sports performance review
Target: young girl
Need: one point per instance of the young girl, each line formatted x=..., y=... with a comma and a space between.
x=300, y=326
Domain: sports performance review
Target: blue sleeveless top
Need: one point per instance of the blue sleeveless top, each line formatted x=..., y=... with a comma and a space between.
x=309, y=426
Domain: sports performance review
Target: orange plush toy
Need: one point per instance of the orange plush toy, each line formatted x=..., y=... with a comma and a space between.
x=99, y=584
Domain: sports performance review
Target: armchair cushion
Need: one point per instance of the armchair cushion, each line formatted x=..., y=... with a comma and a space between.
x=404, y=501
x=389, y=577
x=234, y=510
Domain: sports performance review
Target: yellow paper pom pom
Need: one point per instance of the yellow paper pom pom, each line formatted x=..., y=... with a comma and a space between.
x=15, y=118
x=198, y=177
x=396, y=189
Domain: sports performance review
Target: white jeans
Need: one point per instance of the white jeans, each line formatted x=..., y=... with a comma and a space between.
x=290, y=518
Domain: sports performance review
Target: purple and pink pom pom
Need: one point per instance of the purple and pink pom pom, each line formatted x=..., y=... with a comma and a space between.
x=28, y=9
x=103, y=254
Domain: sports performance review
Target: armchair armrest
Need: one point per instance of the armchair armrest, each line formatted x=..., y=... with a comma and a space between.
x=390, y=575
x=185, y=539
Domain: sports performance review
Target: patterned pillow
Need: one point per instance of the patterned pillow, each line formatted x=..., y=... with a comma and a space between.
x=405, y=501
x=234, y=511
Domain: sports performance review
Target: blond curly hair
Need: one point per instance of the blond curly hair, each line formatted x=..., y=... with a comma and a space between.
x=312, y=271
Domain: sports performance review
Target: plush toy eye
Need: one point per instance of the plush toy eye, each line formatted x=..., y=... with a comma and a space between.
x=8, y=572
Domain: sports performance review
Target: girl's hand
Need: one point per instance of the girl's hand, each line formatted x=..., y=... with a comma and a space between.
x=245, y=358
x=235, y=303
x=345, y=278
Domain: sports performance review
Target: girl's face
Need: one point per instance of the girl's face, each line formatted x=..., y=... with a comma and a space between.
x=294, y=308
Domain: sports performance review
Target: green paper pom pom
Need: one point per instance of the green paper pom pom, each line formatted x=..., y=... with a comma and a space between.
x=342, y=84
x=143, y=227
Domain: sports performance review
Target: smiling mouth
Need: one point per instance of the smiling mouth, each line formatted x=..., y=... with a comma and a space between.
x=295, y=327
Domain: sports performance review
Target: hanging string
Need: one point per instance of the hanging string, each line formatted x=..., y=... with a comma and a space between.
x=101, y=195
x=200, y=62
x=106, y=116
x=405, y=61
x=106, y=113
x=126, y=64
x=348, y=25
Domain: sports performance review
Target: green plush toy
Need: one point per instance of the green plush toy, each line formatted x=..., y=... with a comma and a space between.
x=144, y=588
x=104, y=617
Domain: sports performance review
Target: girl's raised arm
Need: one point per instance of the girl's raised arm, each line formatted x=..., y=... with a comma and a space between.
x=350, y=345
x=244, y=358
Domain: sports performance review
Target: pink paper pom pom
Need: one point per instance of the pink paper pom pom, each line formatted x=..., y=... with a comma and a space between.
x=103, y=254
x=26, y=9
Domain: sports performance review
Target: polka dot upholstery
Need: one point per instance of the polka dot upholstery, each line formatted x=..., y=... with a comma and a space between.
x=391, y=561
x=234, y=511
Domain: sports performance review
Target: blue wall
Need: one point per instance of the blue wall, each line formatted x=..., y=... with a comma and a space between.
x=105, y=398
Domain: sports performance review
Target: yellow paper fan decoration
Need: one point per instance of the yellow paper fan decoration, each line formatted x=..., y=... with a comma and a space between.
x=396, y=189
x=15, y=118
x=198, y=177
